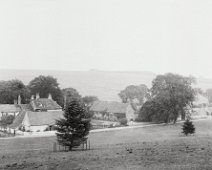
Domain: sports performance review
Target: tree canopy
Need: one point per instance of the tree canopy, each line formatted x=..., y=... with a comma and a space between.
x=73, y=129
x=10, y=90
x=209, y=95
x=134, y=94
x=170, y=95
x=45, y=85
x=88, y=100
x=70, y=94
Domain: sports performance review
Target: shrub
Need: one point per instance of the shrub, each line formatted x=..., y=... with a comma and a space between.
x=123, y=121
x=138, y=119
x=188, y=127
x=74, y=128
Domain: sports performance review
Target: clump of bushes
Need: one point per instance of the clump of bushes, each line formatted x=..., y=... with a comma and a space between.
x=123, y=121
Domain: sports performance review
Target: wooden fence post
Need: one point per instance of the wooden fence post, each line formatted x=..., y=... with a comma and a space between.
x=54, y=147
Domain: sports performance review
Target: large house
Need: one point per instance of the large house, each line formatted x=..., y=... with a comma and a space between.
x=112, y=111
x=38, y=115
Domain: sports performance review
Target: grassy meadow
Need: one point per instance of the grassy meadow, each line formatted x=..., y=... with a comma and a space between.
x=151, y=148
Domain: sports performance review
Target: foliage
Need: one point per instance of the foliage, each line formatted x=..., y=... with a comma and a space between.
x=70, y=94
x=45, y=85
x=10, y=90
x=134, y=94
x=188, y=127
x=209, y=95
x=123, y=121
x=6, y=120
x=73, y=129
x=89, y=100
x=171, y=94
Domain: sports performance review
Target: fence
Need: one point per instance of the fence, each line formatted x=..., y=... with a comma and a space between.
x=84, y=146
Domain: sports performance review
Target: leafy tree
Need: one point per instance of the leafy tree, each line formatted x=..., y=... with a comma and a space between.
x=10, y=90
x=170, y=95
x=209, y=95
x=73, y=129
x=6, y=120
x=70, y=94
x=45, y=85
x=134, y=94
x=188, y=127
x=89, y=100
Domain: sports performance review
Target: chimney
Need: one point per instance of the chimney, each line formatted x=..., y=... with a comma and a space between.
x=19, y=99
x=37, y=96
x=50, y=96
x=32, y=97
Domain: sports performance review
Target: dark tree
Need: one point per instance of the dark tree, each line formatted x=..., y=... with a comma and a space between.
x=10, y=90
x=73, y=129
x=45, y=85
x=70, y=94
x=89, y=100
x=134, y=94
x=171, y=95
x=188, y=127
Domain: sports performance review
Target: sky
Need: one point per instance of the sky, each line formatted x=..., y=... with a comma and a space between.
x=116, y=35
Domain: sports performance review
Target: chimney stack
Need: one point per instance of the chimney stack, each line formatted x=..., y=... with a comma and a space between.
x=50, y=96
x=37, y=96
x=19, y=99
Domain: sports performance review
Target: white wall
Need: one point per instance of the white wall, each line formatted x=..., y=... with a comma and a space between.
x=38, y=128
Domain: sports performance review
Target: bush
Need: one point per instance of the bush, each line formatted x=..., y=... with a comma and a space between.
x=138, y=119
x=188, y=127
x=123, y=121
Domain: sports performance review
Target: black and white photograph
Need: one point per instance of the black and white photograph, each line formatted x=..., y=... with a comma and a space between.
x=105, y=85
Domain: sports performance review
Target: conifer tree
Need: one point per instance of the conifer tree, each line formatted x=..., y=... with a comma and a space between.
x=73, y=129
x=188, y=127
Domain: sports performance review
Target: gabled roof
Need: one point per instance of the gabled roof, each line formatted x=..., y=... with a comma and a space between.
x=44, y=104
x=44, y=118
x=18, y=120
x=26, y=107
x=9, y=108
x=111, y=107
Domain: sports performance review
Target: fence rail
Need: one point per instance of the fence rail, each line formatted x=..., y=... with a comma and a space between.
x=58, y=147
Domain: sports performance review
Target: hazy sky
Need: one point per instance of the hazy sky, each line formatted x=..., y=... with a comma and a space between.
x=154, y=35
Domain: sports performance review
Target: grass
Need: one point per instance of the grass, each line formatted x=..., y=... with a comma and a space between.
x=150, y=148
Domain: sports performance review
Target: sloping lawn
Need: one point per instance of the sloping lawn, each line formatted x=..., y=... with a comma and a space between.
x=154, y=148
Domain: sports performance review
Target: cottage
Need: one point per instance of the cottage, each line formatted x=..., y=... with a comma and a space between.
x=38, y=115
x=112, y=111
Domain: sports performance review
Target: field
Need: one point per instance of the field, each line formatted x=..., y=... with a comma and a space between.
x=151, y=148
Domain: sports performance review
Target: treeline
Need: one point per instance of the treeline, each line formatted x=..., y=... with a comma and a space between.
x=170, y=96
x=44, y=85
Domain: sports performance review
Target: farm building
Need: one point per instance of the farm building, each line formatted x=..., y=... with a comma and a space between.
x=112, y=111
x=38, y=115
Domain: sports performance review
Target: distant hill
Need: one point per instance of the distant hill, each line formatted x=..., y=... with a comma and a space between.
x=104, y=84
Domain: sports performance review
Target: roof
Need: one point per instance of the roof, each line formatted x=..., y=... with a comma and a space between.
x=200, y=99
x=18, y=120
x=111, y=107
x=44, y=104
x=44, y=118
x=9, y=108
x=26, y=107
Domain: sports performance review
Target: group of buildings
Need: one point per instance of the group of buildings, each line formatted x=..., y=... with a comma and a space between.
x=41, y=113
